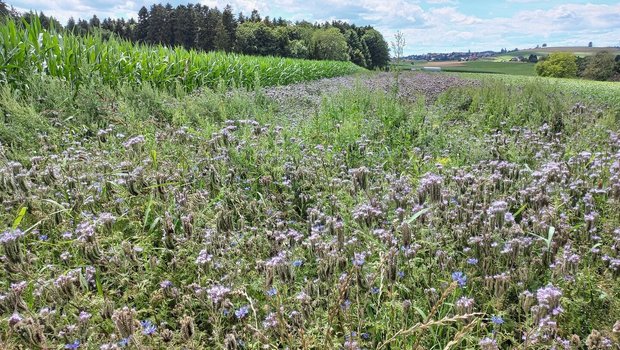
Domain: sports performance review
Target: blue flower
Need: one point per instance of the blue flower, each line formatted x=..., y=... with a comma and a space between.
x=123, y=342
x=498, y=320
x=401, y=274
x=74, y=345
x=273, y=291
x=298, y=263
x=365, y=336
x=472, y=261
x=459, y=278
x=242, y=312
x=374, y=290
x=148, y=327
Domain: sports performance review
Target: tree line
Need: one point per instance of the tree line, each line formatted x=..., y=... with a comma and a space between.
x=200, y=27
x=603, y=66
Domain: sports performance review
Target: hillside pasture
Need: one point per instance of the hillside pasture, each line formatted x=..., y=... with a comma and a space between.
x=581, y=51
x=483, y=66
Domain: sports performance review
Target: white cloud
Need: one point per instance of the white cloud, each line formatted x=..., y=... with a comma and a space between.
x=442, y=2
x=245, y=6
x=63, y=9
x=428, y=25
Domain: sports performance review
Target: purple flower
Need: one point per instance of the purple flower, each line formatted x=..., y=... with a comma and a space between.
x=10, y=236
x=217, y=293
x=302, y=296
x=549, y=296
x=472, y=261
x=459, y=278
x=74, y=345
x=165, y=284
x=298, y=263
x=488, y=344
x=465, y=303
x=134, y=142
x=272, y=291
x=359, y=259
x=148, y=327
x=242, y=312
x=84, y=316
x=203, y=257
x=271, y=321
x=15, y=319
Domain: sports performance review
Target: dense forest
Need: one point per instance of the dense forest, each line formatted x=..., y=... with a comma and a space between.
x=200, y=27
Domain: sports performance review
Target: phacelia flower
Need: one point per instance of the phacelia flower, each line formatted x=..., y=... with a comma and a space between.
x=242, y=312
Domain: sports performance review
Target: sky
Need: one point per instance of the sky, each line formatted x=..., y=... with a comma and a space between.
x=427, y=25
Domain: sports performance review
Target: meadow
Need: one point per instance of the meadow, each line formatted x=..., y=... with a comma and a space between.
x=481, y=212
x=580, y=51
x=480, y=66
x=483, y=66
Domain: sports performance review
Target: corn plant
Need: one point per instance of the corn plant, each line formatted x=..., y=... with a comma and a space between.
x=27, y=48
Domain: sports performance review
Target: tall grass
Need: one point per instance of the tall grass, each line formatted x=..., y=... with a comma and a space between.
x=27, y=48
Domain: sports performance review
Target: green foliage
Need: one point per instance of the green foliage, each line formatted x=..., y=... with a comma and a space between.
x=32, y=50
x=238, y=189
x=358, y=51
x=329, y=44
x=4, y=10
x=378, y=49
x=208, y=29
x=492, y=67
x=298, y=49
x=256, y=38
x=599, y=92
x=20, y=125
x=558, y=65
x=600, y=66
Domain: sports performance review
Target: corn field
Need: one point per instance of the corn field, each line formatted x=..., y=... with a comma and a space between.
x=27, y=48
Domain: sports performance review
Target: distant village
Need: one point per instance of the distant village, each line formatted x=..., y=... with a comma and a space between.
x=453, y=56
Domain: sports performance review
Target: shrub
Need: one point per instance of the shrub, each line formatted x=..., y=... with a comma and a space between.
x=558, y=65
x=600, y=66
x=330, y=44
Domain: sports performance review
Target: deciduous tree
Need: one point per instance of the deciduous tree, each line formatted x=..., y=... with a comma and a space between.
x=558, y=65
x=378, y=49
x=600, y=66
x=329, y=44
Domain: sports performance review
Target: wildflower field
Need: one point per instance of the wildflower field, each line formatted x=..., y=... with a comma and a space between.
x=469, y=214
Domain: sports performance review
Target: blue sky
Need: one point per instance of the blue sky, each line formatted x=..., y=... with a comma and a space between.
x=428, y=25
